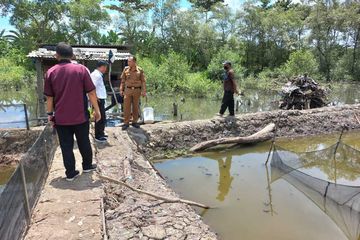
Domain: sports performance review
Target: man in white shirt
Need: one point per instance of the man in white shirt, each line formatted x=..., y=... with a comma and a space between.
x=97, y=77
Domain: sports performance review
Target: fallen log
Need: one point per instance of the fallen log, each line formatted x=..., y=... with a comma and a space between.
x=260, y=136
x=154, y=195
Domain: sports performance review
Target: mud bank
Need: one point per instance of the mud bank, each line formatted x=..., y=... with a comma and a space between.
x=14, y=143
x=156, y=141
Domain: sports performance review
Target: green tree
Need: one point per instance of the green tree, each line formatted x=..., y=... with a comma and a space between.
x=215, y=69
x=37, y=20
x=205, y=5
x=86, y=18
x=300, y=62
x=324, y=25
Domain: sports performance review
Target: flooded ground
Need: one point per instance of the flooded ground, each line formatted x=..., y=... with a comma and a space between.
x=12, y=113
x=248, y=204
x=189, y=108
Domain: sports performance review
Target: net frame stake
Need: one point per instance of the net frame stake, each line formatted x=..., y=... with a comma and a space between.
x=269, y=191
x=46, y=159
x=336, y=148
x=27, y=205
x=273, y=139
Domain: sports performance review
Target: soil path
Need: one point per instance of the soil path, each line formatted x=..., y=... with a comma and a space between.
x=67, y=210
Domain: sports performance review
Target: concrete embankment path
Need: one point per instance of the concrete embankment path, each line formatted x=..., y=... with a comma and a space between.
x=67, y=210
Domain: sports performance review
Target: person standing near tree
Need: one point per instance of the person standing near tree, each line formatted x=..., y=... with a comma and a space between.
x=133, y=85
x=97, y=77
x=66, y=86
x=230, y=88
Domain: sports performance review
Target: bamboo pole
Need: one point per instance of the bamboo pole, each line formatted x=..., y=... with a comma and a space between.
x=154, y=195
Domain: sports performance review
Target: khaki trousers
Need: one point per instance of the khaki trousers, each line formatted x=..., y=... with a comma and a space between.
x=131, y=101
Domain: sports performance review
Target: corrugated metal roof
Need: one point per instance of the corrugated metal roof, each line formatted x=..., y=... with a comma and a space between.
x=118, y=47
x=83, y=53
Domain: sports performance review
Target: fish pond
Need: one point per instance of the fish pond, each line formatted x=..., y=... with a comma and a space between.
x=249, y=203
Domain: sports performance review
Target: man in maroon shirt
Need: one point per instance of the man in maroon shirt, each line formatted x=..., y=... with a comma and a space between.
x=66, y=87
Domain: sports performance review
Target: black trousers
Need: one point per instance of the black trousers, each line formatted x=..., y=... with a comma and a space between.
x=100, y=125
x=66, y=139
x=228, y=102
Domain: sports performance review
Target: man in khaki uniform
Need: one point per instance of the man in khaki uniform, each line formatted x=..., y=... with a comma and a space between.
x=132, y=87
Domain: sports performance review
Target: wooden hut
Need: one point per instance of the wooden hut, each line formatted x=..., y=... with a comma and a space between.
x=88, y=55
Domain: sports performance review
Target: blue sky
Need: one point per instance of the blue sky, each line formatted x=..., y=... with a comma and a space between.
x=4, y=21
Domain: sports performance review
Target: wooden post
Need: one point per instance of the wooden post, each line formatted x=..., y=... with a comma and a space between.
x=26, y=117
x=175, y=107
x=26, y=196
x=40, y=87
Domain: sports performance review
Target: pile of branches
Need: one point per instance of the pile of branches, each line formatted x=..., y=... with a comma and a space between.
x=302, y=93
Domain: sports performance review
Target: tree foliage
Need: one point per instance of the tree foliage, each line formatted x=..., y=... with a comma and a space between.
x=261, y=37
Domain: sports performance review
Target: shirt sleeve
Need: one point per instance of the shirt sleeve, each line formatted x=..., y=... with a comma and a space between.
x=231, y=76
x=88, y=83
x=123, y=78
x=48, y=90
x=143, y=80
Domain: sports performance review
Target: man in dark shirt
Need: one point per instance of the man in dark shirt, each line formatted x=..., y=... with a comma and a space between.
x=230, y=88
x=66, y=86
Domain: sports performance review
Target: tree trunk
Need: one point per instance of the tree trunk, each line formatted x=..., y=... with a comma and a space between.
x=260, y=136
x=354, y=52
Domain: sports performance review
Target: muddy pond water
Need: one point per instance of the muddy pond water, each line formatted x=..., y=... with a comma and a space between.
x=248, y=204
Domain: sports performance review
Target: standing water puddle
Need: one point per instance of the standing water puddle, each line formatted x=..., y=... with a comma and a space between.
x=248, y=205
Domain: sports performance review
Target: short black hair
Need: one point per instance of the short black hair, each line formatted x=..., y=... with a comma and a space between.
x=227, y=62
x=64, y=50
x=101, y=63
x=133, y=58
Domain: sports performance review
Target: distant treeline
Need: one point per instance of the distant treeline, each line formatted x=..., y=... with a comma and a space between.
x=265, y=39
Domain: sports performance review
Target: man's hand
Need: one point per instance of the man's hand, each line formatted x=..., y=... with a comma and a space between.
x=143, y=94
x=121, y=93
x=97, y=116
x=51, y=120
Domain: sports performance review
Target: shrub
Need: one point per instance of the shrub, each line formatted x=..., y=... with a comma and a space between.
x=215, y=69
x=13, y=75
x=300, y=62
x=173, y=75
x=199, y=85
x=343, y=67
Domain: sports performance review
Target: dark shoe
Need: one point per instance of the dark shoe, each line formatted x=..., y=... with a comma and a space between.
x=136, y=125
x=106, y=136
x=125, y=126
x=73, y=176
x=101, y=140
x=90, y=169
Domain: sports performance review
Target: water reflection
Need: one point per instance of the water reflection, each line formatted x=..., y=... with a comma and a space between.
x=249, y=204
x=225, y=178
